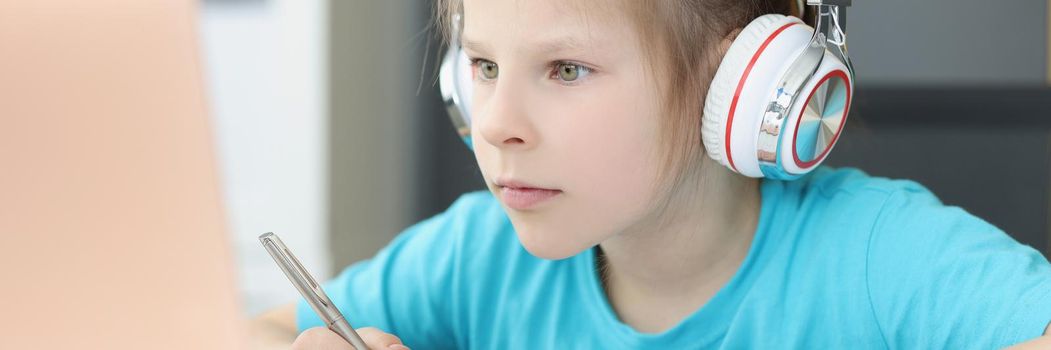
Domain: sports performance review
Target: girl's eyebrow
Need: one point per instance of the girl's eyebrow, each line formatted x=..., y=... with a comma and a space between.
x=472, y=45
x=551, y=46
x=561, y=44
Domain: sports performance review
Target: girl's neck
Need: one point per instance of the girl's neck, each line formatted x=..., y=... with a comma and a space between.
x=656, y=277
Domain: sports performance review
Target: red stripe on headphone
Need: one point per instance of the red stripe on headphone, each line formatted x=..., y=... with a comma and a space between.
x=740, y=86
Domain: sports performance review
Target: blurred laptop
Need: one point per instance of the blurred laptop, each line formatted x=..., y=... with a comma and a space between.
x=111, y=226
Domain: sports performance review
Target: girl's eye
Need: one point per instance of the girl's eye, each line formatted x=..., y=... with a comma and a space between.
x=570, y=72
x=488, y=69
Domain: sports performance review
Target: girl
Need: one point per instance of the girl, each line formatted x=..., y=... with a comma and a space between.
x=609, y=224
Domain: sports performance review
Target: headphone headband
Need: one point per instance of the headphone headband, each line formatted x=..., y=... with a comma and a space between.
x=831, y=23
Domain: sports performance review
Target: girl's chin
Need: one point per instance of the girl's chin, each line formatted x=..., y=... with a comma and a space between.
x=551, y=249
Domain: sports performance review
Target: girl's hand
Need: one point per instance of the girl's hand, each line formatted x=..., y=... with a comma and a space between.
x=321, y=338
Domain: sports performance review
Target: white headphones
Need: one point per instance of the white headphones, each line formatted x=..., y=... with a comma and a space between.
x=755, y=122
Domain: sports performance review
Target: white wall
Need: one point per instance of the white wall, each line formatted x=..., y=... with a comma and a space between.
x=266, y=67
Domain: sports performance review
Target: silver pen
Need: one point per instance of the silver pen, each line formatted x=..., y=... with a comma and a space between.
x=310, y=290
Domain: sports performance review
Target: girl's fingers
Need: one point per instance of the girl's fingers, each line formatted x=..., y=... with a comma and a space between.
x=320, y=338
x=380, y=340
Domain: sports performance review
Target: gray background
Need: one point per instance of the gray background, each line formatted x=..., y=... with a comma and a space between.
x=949, y=42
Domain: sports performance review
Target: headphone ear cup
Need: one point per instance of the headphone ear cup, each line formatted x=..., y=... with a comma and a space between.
x=746, y=76
x=816, y=120
x=456, y=84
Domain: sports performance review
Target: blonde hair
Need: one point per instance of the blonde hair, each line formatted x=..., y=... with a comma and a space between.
x=682, y=40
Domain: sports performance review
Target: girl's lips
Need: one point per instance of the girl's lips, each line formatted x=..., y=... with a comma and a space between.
x=522, y=198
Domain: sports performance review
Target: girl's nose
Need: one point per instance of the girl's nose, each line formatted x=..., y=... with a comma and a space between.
x=504, y=121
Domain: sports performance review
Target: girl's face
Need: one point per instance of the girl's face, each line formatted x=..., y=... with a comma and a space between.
x=563, y=100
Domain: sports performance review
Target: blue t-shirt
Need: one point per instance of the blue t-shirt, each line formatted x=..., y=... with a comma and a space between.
x=839, y=260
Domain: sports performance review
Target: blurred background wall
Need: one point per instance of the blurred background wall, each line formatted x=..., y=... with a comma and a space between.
x=949, y=42
x=266, y=69
x=333, y=134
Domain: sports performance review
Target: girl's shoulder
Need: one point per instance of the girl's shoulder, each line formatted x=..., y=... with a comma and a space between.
x=926, y=264
x=854, y=192
x=829, y=182
x=882, y=211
